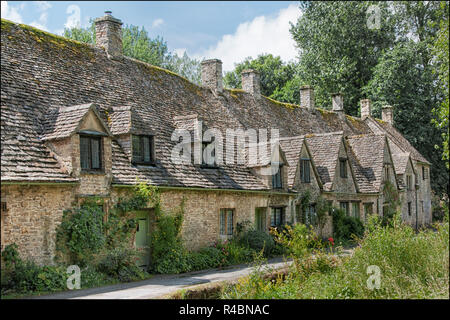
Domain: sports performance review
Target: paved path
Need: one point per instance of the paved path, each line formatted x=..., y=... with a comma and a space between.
x=160, y=285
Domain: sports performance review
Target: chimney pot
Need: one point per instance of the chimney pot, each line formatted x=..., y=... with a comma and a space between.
x=212, y=74
x=307, y=97
x=251, y=82
x=365, y=108
x=387, y=114
x=108, y=34
x=337, y=102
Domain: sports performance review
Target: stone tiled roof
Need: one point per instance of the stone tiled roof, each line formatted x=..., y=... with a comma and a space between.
x=41, y=70
x=400, y=162
x=61, y=122
x=23, y=156
x=324, y=149
x=395, y=138
x=367, y=158
x=292, y=147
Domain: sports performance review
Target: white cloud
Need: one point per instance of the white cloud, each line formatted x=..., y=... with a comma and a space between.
x=42, y=7
x=157, y=23
x=261, y=35
x=11, y=12
x=74, y=20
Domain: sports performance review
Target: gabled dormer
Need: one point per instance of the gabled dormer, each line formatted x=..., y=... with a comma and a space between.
x=302, y=173
x=81, y=142
x=132, y=127
x=329, y=152
x=268, y=161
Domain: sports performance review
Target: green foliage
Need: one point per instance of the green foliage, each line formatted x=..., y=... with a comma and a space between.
x=392, y=201
x=26, y=276
x=337, y=49
x=258, y=241
x=81, y=234
x=345, y=227
x=121, y=264
x=273, y=72
x=412, y=266
x=137, y=44
x=440, y=50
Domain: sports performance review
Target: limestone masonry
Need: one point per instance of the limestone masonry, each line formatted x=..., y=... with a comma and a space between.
x=79, y=121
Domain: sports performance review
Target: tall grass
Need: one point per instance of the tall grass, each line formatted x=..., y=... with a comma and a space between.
x=412, y=266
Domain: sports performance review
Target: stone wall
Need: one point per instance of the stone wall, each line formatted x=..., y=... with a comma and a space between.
x=33, y=213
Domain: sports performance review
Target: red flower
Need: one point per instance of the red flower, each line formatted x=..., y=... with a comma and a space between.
x=331, y=240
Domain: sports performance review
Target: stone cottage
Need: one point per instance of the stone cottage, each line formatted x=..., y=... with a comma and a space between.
x=79, y=121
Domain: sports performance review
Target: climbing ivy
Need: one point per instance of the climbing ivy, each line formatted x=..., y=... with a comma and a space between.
x=391, y=202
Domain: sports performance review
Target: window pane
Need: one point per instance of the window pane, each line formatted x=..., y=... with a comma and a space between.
x=95, y=149
x=230, y=222
x=222, y=222
x=147, y=156
x=137, y=152
x=84, y=153
x=307, y=173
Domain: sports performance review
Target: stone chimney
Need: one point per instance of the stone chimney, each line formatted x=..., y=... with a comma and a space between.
x=108, y=34
x=251, y=82
x=338, y=102
x=365, y=108
x=307, y=97
x=387, y=114
x=212, y=74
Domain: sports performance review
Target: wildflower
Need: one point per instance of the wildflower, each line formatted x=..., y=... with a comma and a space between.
x=331, y=240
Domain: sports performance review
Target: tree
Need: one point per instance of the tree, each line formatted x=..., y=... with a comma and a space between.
x=138, y=45
x=274, y=73
x=338, y=49
x=440, y=50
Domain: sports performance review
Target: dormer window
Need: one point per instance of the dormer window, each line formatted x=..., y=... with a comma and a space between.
x=142, y=149
x=304, y=171
x=209, y=156
x=90, y=153
x=277, y=182
x=343, y=167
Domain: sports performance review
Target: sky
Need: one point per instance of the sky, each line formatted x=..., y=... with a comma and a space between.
x=227, y=30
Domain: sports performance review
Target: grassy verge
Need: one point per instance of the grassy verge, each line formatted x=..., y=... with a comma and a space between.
x=411, y=266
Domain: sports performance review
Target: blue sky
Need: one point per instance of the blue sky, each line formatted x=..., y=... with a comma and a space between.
x=228, y=30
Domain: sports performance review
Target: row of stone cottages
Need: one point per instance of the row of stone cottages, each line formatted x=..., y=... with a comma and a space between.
x=79, y=121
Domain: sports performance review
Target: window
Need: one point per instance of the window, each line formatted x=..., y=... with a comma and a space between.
x=386, y=172
x=90, y=153
x=209, y=157
x=343, y=167
x=304, y=171
x=142, y=149
x=424, y=173
x=409, y=208
x=355, y=210
x=409, y=182
x=311, y=215
x=276, y=177
x=344, y=206
x=226, y=222
x=260, y=219
x=277, y=218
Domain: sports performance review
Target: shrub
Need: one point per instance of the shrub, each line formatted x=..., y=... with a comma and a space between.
x=120, y=263
x=345, y=227
x=257, y=240
x=26, y=276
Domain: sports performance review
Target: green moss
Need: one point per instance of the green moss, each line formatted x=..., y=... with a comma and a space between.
x=289, y=106
x=43, y=37
x=380, y=121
